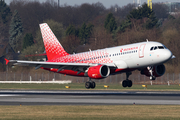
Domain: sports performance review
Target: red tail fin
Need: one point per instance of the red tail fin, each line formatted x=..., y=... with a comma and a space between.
x=51, y=43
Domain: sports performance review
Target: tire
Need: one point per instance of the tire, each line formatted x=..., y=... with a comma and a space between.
x=124, y=83
x=129, y=83
x=88, y=85
x=93, y=84
x=152, y=78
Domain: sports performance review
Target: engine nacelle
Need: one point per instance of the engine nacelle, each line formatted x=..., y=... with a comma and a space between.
x=158, y=71
x=98, y=72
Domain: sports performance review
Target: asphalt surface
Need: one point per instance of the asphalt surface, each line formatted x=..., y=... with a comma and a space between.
x=88, y=97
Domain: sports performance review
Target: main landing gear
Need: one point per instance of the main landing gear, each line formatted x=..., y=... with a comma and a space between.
x=90, y=84
x=127, y=82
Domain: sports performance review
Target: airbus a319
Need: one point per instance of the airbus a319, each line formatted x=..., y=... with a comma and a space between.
x=147, y=57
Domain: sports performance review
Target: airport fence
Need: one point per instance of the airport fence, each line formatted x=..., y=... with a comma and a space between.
x=166, y=79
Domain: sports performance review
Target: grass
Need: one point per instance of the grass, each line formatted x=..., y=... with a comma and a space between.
x=80, y=86
x=87, y=112
x=118, y=112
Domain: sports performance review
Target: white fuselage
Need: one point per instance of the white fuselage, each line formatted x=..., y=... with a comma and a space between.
x=139, y=54
x=132, y=56
x=127, y=56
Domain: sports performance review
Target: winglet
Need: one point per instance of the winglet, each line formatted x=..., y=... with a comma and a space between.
x=7, y=61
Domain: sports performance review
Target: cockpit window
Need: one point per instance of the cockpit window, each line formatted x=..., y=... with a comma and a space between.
x=160, y=47
x=157, y=47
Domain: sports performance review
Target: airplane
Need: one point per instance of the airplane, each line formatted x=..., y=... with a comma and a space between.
x=147, y=57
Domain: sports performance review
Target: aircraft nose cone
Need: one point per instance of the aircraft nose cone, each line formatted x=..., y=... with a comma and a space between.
x=167, y=55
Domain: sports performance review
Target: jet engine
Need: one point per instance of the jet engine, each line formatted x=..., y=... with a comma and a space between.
x=158, y=71
x=98, y=72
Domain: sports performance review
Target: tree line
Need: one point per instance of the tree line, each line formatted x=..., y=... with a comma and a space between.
x=87, y=26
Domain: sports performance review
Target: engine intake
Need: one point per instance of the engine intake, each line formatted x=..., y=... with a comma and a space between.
x=98, y=72
x=158, y=71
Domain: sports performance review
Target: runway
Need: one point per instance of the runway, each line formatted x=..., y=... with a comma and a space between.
x=87, y=97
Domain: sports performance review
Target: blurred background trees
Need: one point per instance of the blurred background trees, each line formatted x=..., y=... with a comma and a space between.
x=15, y=31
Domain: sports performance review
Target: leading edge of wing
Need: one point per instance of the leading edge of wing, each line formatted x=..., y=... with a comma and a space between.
x=56, y=64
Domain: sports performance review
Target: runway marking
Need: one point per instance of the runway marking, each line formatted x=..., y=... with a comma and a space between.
x=9, y=95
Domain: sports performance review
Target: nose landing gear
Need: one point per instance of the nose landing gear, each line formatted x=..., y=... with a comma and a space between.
x=150, y=68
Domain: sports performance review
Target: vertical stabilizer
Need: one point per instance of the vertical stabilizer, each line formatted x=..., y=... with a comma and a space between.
x=51, y=43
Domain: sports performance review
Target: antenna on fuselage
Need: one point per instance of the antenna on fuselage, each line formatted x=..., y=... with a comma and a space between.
x=90, y=50
x=147, y=40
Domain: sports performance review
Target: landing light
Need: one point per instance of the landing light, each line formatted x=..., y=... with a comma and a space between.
x=67, y=86
x=144, y=86
x=106, y=86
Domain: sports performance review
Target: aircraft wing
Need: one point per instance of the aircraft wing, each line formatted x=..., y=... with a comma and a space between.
x=58, y=65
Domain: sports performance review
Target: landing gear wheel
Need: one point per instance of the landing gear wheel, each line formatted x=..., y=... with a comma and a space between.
x=124, y=83
x=93, y=84
x=152, y=77
x=88, y=85
x=129, y=83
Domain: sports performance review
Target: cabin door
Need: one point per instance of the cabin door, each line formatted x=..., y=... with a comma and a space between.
x=141, y=50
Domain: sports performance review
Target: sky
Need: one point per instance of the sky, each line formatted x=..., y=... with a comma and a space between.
x=106, y=3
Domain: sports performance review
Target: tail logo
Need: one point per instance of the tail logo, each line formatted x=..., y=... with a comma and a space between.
x=52, y=45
